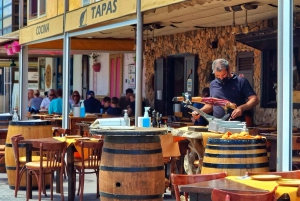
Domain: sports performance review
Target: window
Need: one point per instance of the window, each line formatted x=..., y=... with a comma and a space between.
x=37, y=8
x=85, y=2
x=269, y=78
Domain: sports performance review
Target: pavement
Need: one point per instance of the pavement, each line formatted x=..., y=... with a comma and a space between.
x=7, y=194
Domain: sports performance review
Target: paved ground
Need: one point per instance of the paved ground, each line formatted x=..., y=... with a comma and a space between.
x=7, y=194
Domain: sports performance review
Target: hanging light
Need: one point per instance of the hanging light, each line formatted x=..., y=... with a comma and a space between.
x=13, y=63
x=245, y=28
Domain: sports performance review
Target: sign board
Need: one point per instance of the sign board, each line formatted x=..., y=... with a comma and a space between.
x=32, y=76
x=99, y=12
x=148, y=5
x=45, y=29
x=131, y=76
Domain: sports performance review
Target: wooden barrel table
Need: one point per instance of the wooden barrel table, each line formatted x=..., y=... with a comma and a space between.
x=235, y=156
x=4, y=121
x=29, y=130
x=132, y=166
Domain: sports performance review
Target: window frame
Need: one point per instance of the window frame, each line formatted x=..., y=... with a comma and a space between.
x=30, y=17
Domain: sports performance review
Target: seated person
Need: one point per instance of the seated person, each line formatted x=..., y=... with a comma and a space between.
x=114, y=109
x=124, y=101
x=91, y=104
x=46, y=101
x=131, y=106
x=35, y=102
x=201, y=121
x=106, y=104
x=56, y=104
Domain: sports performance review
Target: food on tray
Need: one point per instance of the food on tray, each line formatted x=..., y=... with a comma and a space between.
x=241, y=135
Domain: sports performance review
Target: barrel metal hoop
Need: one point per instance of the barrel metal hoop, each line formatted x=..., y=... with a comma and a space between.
x=11, y=167
x=235, y=155
x=235, y=166
x=19, y=145
x=131, y=152
x=130, y=197
x=131, y=169
x=235, y=141
x=30, y=123
x=131, y=139
x=235, y=148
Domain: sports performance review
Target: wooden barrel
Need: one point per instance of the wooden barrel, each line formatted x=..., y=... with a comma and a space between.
x=4, y=121
x=29, y=130
x=132, y=168
x=235, y=156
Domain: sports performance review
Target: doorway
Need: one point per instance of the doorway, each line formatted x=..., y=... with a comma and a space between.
x=115, y=75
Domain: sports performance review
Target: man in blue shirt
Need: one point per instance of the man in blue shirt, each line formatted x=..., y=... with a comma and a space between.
x=91, y=104
x=56, y=104
x=230, y=87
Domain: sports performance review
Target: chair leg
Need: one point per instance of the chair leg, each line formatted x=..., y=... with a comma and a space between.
x=51, y=185
x=27, y=183
x=82, y=185
x=97, y=176
x=39, y=179
x=79, y=181
x=61, y=182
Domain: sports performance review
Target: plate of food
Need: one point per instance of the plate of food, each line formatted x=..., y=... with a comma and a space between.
x=267, y=177
x=289, y=182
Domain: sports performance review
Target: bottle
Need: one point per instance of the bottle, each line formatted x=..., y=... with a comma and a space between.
x=101, y=111
x=126, y=118
x=15, y=116
x=146, y=118
x=82, y=110
x=154, y=123
x=160, y=121
x=245, y=129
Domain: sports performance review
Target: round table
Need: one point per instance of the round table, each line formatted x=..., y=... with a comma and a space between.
x=132, y=164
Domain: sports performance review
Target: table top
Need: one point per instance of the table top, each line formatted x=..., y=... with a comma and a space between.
x=223, y=184
x=49, y=139
x=137, y=131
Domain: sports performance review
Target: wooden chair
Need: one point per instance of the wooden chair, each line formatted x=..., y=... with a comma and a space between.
x=90, y=159
x=61, y=131
x=55, y=153
x=181, y=179
x=221, y=195
x=20, y=160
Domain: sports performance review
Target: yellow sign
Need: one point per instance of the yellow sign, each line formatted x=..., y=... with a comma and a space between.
x=151, y=4
x=99, y=12
x=45, y=29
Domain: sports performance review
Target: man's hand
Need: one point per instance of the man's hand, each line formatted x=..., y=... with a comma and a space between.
x=195, y=115
x=236, y=113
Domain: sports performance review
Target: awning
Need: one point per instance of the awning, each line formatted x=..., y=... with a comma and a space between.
x=89, y=44
x=264, y=39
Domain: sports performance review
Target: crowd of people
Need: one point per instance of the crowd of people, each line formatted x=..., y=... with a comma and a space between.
x=53, y=101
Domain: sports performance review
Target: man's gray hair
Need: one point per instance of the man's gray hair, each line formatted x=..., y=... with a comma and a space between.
x=53, y=90
x=219, y=64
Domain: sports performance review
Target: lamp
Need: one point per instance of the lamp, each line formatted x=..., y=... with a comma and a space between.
x=13, y=63
x=245, y=28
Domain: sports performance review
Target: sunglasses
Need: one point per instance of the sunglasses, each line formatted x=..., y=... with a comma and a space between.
x=75, y=95
x=51, y=94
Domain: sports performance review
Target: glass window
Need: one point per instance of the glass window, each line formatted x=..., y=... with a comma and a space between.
x=42, y=7
x=33, y=9
x=7, y=11
x=7, y=30
x=85, y=2
x=6, y=2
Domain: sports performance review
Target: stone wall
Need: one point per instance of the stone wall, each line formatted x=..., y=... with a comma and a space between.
x=199, y=42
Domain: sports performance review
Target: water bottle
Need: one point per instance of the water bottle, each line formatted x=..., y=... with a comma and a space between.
x=126, y=118
x=15, y=116
x=82, y=110
x=101, y=111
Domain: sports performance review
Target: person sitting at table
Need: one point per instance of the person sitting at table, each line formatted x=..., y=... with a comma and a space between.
x=91, y=104
x=106, y=104
x=56, y=104
x=124, y=101
x=131, y=106
x=114, y=109
x=46, y=101
x=35, y=102
x=201, y=121
x=75, y=101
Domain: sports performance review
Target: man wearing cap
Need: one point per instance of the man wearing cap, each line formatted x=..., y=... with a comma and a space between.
x=91, y=104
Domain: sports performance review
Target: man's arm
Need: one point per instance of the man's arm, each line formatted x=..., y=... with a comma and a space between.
x=251, y=103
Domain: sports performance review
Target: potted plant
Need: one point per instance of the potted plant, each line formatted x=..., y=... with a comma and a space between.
x=8, y=48
x=96, y=65
x=16, y=47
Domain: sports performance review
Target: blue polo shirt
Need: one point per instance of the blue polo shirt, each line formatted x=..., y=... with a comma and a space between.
x=236, y=90
x=55, y=106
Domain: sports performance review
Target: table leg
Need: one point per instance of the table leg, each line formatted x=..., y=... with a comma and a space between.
x=29, y=159
x=273, y=155
x=71, y=173
x=197, y=147
x=57, y=180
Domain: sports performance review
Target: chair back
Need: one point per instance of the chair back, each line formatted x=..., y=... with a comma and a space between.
x=90, y=153
x=221, y=195
x=54, y=152
x=181, y=179
x=60, y=131
x=15, y=140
